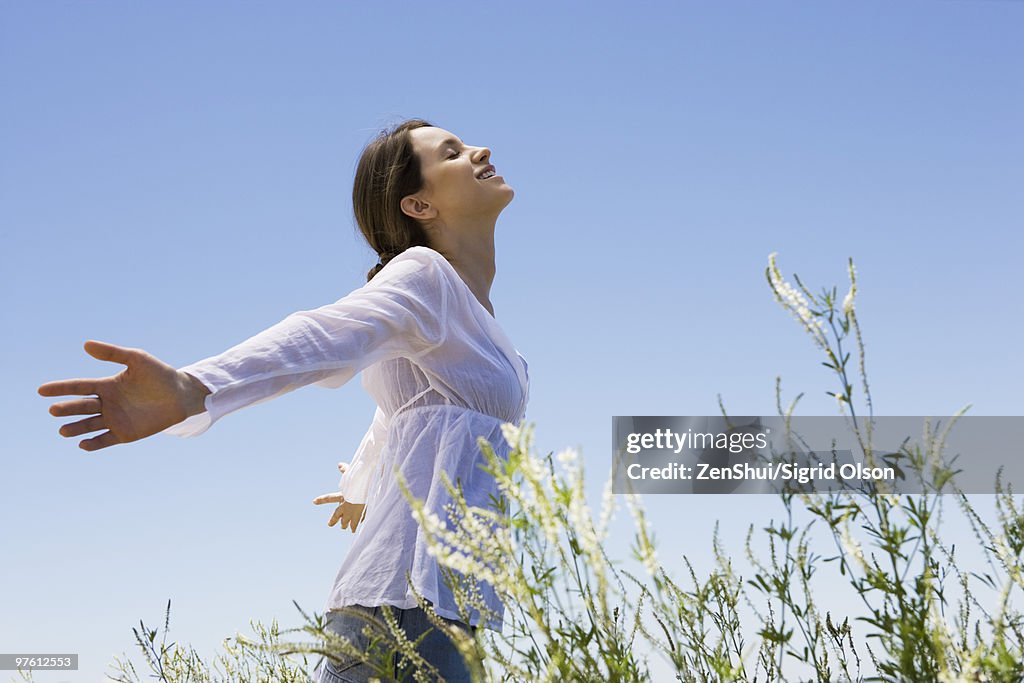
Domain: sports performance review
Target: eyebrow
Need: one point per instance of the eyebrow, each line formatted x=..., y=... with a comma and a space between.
x=447, y=141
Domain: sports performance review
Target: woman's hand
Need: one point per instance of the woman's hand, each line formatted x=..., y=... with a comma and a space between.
x=145, y=398
x=349, y=514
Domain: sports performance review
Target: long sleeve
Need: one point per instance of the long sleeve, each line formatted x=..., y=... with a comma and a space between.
x=362, y=470
x=401, y=312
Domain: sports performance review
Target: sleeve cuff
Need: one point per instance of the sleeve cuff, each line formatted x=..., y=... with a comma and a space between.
x=200, y=422
x=354, y=484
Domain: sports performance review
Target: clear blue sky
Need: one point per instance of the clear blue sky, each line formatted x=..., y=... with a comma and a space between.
x=177, y=177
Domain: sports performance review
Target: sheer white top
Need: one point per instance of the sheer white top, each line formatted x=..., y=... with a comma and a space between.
x=442, y=372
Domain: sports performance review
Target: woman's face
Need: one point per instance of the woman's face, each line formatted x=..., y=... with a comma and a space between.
x=454, y=194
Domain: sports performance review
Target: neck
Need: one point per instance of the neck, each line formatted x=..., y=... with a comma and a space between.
x=473, y=260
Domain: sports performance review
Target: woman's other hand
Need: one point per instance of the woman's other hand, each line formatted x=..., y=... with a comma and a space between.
x=349, y=514
x=145, y=398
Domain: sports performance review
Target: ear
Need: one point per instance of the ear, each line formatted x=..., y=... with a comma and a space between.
x=415, y=207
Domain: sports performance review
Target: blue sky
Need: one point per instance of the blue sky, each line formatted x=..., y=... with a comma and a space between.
x=178, y=178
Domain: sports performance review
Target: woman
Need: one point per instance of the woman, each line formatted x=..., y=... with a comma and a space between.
x=434, y=358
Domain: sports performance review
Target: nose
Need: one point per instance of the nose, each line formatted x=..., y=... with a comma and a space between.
x=483, y=153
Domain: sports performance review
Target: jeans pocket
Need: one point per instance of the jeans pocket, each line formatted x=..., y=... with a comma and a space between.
x=350, y=663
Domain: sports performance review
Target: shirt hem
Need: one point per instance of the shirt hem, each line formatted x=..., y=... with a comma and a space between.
x=410, y=603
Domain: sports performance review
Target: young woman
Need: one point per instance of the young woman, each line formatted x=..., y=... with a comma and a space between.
x=440, y=368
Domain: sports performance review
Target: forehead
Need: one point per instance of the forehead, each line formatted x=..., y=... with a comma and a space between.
x=430, y=138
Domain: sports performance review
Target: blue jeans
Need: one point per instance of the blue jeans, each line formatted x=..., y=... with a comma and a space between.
x=435, y=648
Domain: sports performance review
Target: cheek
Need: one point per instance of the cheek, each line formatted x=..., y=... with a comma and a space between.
x=460, y=183
x=454, y=186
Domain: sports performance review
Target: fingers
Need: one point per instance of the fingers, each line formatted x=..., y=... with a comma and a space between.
x=83, y=387
x=96, y=443
x=83, y=406
x=349, y=514
x=65, y=387
x=329, y=498
x=91, y=424
x=349, y=521
x=110, y=352
x=343, y=467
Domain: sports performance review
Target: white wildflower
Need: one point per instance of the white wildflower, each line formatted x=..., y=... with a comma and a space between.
x=852, y=546
x=793, y=299
x=645, y=547
x=511, y=433
x=583, y=523
x=848, y=301
x=431, y=522
x=540, y=505
x=534, y=469
x=518, y=436
x=550, y=526
x=607, y=508
x=568, y=457
x=892, y=499
x=1003, y=549
x=650, y=559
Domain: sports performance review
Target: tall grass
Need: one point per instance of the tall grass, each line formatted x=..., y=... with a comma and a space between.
x=572, y=613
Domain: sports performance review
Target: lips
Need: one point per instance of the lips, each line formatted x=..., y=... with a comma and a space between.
x=485, y=169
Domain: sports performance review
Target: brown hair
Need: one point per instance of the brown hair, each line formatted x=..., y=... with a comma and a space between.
x=388, y=170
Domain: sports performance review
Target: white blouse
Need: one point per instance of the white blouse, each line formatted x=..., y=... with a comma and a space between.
x=442, y=372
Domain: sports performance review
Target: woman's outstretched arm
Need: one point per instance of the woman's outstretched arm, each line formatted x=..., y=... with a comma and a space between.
x=143, y=399
x=400, y=313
